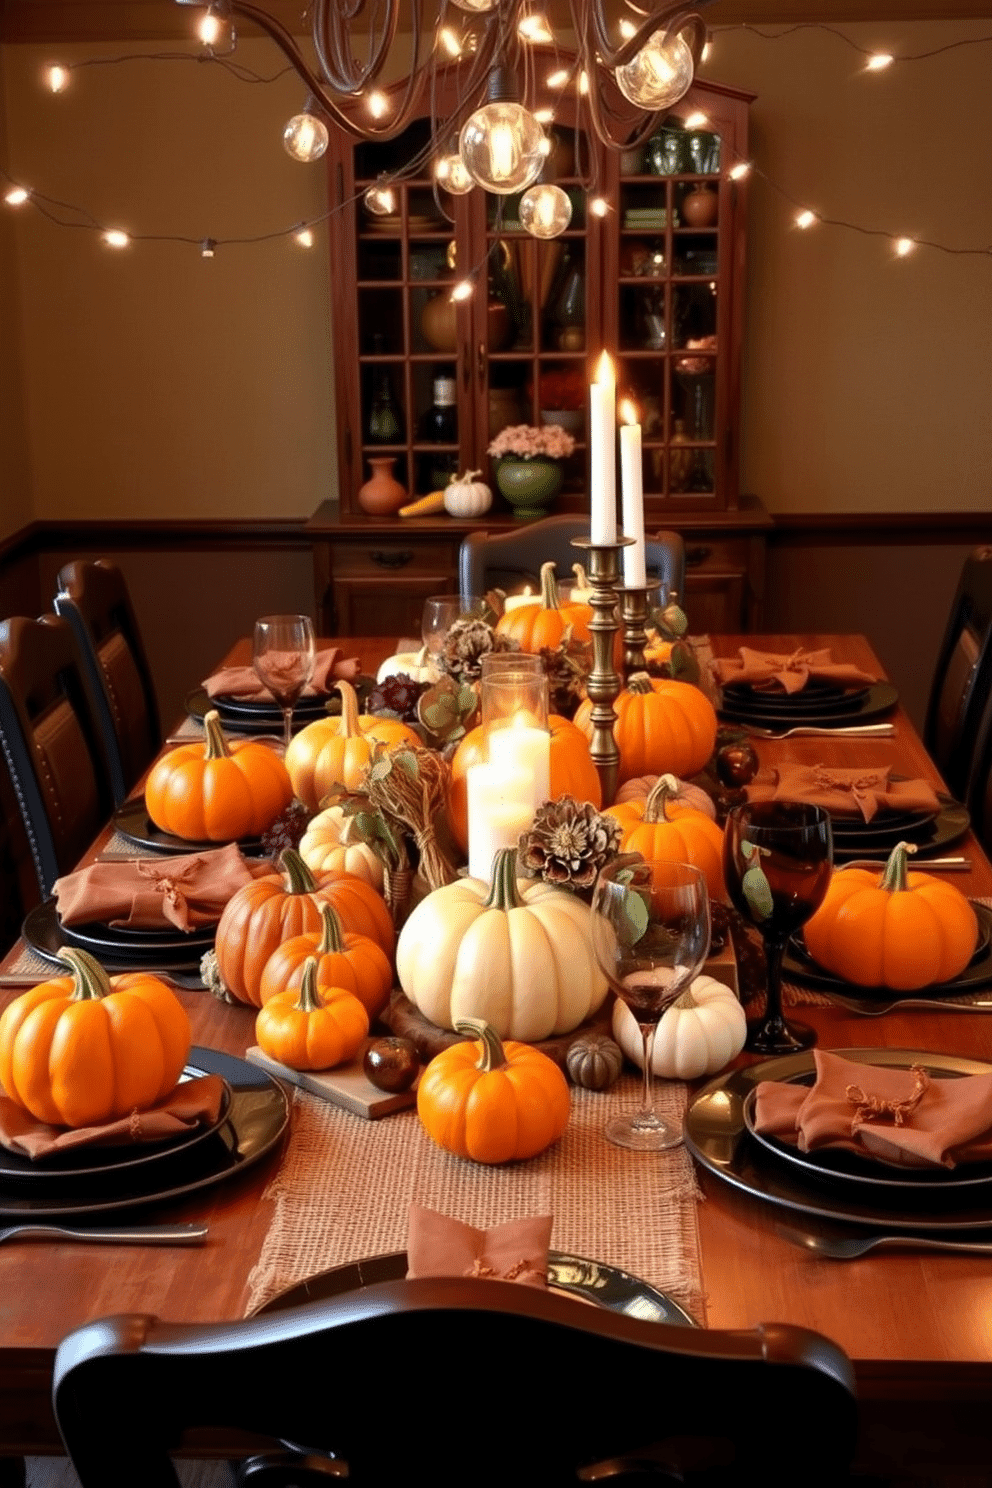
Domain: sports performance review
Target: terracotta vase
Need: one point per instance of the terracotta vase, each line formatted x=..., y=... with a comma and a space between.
x=382, y=494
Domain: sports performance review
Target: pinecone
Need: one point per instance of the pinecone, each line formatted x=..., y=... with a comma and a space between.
x=287, y=830
x=465, y=645
x=567, y=666
x=569, y=842
x=396, y=695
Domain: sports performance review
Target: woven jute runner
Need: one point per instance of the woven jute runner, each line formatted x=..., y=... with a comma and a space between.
x=345, y=1185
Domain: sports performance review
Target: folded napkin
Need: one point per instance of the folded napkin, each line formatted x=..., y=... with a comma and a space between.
x=438, y=1245
x=768, y=670
x=902, y=1117
x=868, y=790
x=153, y=893
x=191, y=1104
x=330, y=665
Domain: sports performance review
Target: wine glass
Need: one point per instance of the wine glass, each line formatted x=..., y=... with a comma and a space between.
x=283, y=657
x=777, y=858
x=439, y=615
x=651, y=933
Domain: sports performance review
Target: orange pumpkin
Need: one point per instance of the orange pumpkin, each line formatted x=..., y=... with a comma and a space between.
x=273, y=909
x=336, y=751
x=543, y=622
x=572, y=771
x=217, y=791
x=353, y=962
x=663, y=727
x=660, y=827
x=903, y=930
x=84, y=1049
x=314, y=1028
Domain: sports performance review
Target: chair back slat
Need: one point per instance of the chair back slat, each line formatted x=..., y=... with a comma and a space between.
x=962, y=675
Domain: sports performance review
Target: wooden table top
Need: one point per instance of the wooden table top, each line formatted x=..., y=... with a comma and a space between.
x=915, y=1324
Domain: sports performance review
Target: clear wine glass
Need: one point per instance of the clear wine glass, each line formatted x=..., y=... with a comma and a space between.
x=777, y=858
x=651, y=933
x=439, y=615
x=283, y=657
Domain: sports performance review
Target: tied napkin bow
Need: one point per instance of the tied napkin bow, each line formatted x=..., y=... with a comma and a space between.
x=330, y=665
x=843, y=792
x=168, y=895
x=186, y=892
x=438, y=1245
x=766, y=669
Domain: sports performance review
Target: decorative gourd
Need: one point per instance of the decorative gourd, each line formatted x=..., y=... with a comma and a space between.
x=901, y=930
x=352, y=962
x=518, y=955
x=490, y=1101
x=662, y=727
x=335, y=751
x=323, y=847
x=85, y=1048
x=699, y=1034
x=543, y=623
x=660, y=827
x=688, y=794
x=218, y=790
x=594, y=1061
x=312, y=1028
x=467, y=496
x=414, y=664
x=572, y=771
x=262, y=914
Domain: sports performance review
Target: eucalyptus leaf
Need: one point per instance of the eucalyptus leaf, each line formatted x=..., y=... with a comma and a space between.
x=634, y=918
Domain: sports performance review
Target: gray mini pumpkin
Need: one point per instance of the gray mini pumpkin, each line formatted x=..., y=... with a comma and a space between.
x=594, y=1061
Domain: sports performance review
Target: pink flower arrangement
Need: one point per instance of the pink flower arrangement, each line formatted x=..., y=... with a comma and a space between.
x=525, y=441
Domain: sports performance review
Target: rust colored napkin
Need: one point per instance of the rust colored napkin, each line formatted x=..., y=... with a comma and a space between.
x=438, y=1245
x=193, y=1103
x=843, y=792
x=767, y=669
x=901, y=1117
x=185, y=892
x=330, y=665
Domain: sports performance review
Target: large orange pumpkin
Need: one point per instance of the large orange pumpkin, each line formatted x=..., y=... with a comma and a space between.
x=217, y=790
x=663, y=727
x=543, y=622
x=272, y=909
x=336, y=751
x=661, y=827
x=572, y=771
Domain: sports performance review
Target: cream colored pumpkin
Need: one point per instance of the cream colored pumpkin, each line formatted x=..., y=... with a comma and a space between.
x=415, y=664
x=700, y=1033
x=467, y=496
x=324, y=845
x=518, y=955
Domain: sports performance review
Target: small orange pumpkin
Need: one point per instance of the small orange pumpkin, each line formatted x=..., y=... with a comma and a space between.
x=663, y=727
x=217, y=791
x=314, y=1028
x=543, y=623
x=336, y=751
x=353, y=962
x=660, y=827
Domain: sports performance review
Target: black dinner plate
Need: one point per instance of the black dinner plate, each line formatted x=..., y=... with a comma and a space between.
x=815, y=697
x=716, y=1134
x=879, y=699
x=798, y=965
x=101, y=939
x=256, y=1121
x=48, y=938
x=591, y=1281
x=932, y=835
x=252, y=716
x=883, y=825
x=133, y=822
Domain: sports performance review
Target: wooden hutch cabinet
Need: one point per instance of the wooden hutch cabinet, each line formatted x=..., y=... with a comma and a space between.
x=658, y=281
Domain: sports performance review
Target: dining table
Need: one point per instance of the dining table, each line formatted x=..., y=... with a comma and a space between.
x=917, y=1324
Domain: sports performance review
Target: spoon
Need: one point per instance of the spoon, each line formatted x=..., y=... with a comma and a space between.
x=174, y=1234
x=858, y=1245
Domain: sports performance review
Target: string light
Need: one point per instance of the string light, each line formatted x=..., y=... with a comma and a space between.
x=450, y=42
x=57, y=78
x=114, y=238
x=695, y=120
x=879, y=62
x=806, y=218
x=380, y=199
x=904, y=246
x=950, y=46
x=16, y=196
x=207, y=248
x=450, y=173
x=599, y=206
x=305, y=137
x=304, y=237
x=740, y=170
x=544, y=115
x=377, y=104
x=463, y=290
x=558, y=78
x=535, y=29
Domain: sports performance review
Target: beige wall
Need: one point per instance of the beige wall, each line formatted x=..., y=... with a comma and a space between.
x=158, y=384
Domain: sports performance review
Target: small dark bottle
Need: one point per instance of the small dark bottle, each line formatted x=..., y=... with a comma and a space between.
x=385, y=425
x=439, y=425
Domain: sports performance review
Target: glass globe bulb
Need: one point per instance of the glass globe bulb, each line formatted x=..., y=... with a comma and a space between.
x=659, y=74
x=305, y=137
x=380, y=199
x=501, y=147
x=545, y=211
x=476, y=6
x=450, y=173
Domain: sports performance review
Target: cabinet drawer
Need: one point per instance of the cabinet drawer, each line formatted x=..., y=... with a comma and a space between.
x=376, y=559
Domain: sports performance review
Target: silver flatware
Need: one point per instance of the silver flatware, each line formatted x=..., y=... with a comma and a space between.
x=850, y=1248
x=853, y=731
x=871, y=1009
x=174, y=1234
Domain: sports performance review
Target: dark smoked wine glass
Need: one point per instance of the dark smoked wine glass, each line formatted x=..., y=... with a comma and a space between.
x=777, y=858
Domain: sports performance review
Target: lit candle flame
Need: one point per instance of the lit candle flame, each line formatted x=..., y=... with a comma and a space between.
x=628, y=411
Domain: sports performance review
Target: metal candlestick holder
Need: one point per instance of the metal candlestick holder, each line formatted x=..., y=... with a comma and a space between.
x=603, y=685
x=634, y=613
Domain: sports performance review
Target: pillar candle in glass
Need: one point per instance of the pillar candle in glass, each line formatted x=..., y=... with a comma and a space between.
x=505, y=791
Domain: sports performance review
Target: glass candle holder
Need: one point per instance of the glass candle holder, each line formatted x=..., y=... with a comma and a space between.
x=505, y=790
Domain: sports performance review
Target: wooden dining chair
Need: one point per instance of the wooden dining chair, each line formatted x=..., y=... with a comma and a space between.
x=978, y=796
x=508, y=560
x=52, y=742
x=460, y=1381
x=963, y=674
x=94, y=599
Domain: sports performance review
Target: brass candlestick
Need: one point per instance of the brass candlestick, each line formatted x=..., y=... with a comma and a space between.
x=603, y=685
x=634, y=613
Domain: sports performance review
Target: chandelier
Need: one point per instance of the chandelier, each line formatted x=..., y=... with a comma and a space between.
x=510, y=75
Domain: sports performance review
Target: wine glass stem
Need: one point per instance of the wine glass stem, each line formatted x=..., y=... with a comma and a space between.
x=287, y=727
x=648, y=1031
x=774, y=951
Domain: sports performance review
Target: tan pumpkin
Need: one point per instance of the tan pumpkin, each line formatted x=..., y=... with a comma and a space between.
x=662, y=727
x=660, y=827
x=324, y=846
x=332, y=752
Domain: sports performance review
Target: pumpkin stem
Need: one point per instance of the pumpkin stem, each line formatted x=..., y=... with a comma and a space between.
x=503, y=891
x=894, y=877
x=423, y=658
x=686, y=1000
x=349, y=711
x=549, y=587
x=330, y=939
x=581, y=580
x=639, y=682
x=309, y=998
x=90, y=981
x=301, y=880
x=217, y=747
x=665, y=789
x=491, y=1055
x=470, y=475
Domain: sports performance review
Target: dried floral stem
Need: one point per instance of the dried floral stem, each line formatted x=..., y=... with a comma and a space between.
x=410, y=787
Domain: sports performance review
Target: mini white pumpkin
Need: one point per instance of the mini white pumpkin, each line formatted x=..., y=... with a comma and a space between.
x=699, y=1034
x=517, y=954
x=324, y=845
x=467, y=496
x=416, y=664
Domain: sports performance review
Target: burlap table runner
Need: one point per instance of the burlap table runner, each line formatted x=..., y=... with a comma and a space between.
x=345, y=1186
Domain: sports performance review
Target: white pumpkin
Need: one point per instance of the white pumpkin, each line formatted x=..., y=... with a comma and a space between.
x=466, y=496
x=518, y=955
x=699, y=1034
x=324, y=846
x=416, y=664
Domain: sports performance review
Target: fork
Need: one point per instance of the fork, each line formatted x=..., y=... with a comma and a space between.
x=871, y=1009
x=174, y=1234
x=854, y=731
x=858, y=1245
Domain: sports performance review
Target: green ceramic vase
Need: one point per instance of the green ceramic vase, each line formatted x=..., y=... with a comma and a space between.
x=530, y=486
